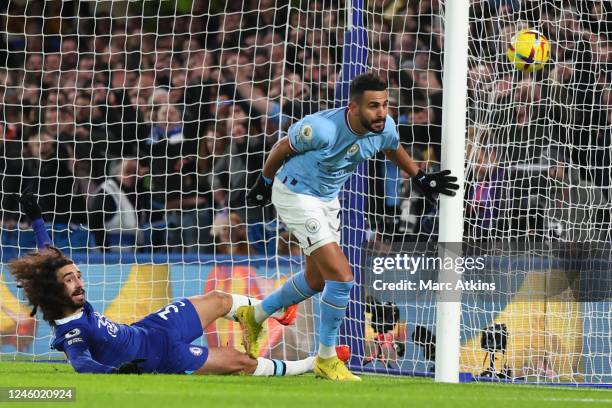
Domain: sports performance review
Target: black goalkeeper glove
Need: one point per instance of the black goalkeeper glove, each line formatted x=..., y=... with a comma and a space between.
x=433, y=184
x=261, y=193
x=133, y=367
x=29, y=205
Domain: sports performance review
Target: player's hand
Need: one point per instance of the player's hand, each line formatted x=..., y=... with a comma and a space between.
x=133, y=367
x=433, y=184
x=261, y=193
x=29, y=205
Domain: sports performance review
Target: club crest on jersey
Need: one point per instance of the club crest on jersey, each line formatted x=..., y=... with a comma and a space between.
x=352, y=150
x=72, y=333
x=196, y=351
x=306, y=133
x=312, y=225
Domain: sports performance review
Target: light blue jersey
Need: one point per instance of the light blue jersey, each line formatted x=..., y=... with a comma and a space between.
x=328, y=152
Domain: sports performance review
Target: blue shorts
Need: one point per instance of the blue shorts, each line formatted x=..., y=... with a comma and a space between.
x=180, y=324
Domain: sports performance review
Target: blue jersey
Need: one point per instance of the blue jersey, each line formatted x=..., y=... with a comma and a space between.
x=328, y=152
x=95, y=344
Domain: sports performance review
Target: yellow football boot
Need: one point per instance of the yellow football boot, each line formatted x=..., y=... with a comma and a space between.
x=333, y=369
x=251, y=330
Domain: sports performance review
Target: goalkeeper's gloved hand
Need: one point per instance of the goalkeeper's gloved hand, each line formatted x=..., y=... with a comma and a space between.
x=436, y=183
x=29, y=205
x=132, y=367
x=261, y=193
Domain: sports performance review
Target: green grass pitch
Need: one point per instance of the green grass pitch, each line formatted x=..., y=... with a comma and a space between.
x=109, y=391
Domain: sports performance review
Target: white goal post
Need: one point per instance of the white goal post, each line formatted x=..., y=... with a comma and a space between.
x=454, y=108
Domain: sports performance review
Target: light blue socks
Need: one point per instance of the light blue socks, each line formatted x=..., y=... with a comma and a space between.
x=293, y=291
x=334, y=301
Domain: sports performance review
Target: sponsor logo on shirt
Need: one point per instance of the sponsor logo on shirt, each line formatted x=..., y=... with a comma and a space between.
x=72, y=333
x=75, y=340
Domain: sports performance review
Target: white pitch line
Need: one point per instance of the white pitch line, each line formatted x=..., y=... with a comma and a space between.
x=585, y=400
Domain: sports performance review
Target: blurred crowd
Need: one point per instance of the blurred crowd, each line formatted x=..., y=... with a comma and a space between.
x=145, y=127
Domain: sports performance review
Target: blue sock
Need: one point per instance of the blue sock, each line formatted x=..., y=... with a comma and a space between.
x=294, y=290
x=42, y=236
x=334, y=300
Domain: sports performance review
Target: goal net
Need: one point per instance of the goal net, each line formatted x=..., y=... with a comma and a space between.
x=141, y=126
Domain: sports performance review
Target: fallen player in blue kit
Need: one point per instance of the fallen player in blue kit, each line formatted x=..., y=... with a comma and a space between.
x=159, y=343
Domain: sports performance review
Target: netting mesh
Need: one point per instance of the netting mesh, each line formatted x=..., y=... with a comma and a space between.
x=141, y=125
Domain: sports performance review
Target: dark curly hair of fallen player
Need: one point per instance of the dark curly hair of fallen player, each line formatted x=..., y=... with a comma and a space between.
x=36, y=274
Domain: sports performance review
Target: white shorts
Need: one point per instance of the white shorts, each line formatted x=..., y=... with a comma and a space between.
x=312, y=221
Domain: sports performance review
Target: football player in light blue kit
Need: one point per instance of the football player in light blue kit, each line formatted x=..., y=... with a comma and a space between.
x=302, y=176
x=158, y=343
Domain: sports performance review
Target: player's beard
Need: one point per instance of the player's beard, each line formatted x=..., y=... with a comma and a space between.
x=368, y=125
x=75, y=301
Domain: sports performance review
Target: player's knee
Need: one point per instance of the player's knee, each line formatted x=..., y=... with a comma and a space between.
x=313, y=277
x=318, y=284
x=213, y=300
x=345, y=275
x=340, y=272
x=221, y=299
x=332, y=264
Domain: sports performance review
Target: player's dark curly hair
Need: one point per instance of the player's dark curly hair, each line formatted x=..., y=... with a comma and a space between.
x=36, y=273
x=368, y=81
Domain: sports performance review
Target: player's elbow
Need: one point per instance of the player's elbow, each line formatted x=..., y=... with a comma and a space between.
x=392, y=155
x=284, y=147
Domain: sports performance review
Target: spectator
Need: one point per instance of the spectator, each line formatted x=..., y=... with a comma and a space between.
x=484, y=194
x=173, y=158
x=10, y=173
x=201, y=100
x=230, y=235
x=599, y=159
x=420, y=133
x=520, y=126
x=114, y=208
x=48, y=171
x=569, y=209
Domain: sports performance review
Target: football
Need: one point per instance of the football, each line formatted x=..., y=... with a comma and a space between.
x=529, y=50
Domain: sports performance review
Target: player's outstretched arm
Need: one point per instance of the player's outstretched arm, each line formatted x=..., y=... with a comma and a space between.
x=430, y=184
x=261, y=193
x=81, y=360
x=30, y=207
